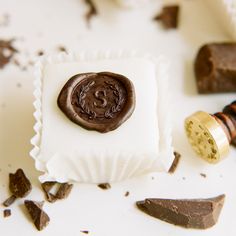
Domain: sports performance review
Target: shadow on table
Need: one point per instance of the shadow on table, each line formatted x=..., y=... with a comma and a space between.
x=16, y=131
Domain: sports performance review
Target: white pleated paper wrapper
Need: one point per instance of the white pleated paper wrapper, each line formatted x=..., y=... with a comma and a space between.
x=225, y=13
x=99, y=167
x=132, y=3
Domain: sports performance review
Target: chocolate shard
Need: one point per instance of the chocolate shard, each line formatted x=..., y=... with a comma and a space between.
x=39, y=217
x=215, y=69
x=9, y=201
x=169, y=16
x=19, y=185
x=175, y=163
x=62, y=192
x=188, y=213
x=47, y=186
x=104, y=186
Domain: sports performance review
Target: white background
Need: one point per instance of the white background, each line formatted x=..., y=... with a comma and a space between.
x=47, y=24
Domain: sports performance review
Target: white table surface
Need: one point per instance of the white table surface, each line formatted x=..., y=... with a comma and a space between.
x=47, y=24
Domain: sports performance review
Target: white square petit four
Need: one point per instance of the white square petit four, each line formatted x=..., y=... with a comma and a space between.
x=65, y=151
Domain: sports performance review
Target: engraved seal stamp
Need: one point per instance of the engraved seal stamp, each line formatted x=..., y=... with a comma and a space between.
x=97, y=101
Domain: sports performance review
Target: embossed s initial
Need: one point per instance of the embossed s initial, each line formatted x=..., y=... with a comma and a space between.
x=100, y=95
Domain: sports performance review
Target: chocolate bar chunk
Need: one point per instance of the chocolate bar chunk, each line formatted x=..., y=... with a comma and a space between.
x=215, y=68
x=39, y=217
x=188, y=213
x=169, y=16
x=19, y=185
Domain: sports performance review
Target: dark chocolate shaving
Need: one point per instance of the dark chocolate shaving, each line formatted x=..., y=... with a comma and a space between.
x=91, y=12
x=7, y=52
x=39, y=217
x=175, y=163
x=40, y=53
x=104, y=186
x=203, y=175
x=188, y=213
x=84, y=231
x=62, y=49
x=6, y=213
x=9, y=201
x=19, y=185
x=62, y=192
x=127, y=194
x=169, y=17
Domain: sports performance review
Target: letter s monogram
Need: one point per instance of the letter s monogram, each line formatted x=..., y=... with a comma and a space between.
x=100, y=95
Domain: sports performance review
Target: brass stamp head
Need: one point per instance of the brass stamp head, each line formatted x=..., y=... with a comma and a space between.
x=207, y=137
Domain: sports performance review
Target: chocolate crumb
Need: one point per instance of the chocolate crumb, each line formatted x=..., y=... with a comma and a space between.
x=62, y=192
x=91, y=12
x=203, y=175
x=39, y=217
x=84, y=231
x=40, y=53
x=127, y=194
x=104, y=186
x=168, y=17
x=19, y=185
x=7, y=52
x=6, y=213
x=9, y=201
x=175, y=163
x=62, y=49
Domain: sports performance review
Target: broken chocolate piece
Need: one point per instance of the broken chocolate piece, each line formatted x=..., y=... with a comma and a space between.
x=215, y=68
x=188, y=213
x=9, y=201
x=175, y=163
x=203, y=175
x=7, y=51
x=104, y=186
x=169, y=16
x=47, y=186
x=6, y=213
x=97, y=101
x=19, y=184
x=91, y=12
x=62, y=192
x=39, y=217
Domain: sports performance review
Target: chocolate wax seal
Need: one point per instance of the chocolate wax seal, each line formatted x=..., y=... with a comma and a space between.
x=97, y=101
